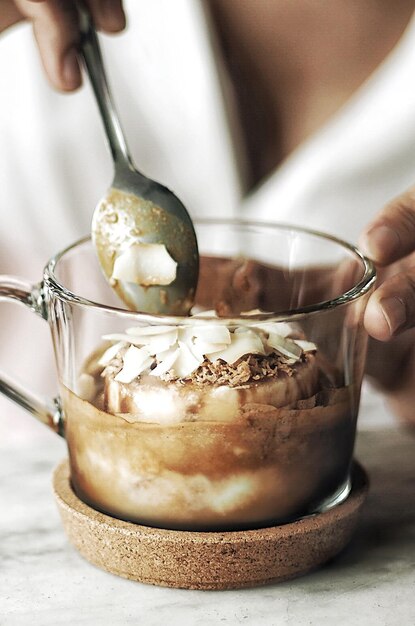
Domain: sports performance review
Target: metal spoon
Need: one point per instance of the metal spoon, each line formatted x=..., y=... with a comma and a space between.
x=136, y=209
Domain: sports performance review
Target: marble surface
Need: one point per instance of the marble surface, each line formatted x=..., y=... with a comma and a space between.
x=43, y=581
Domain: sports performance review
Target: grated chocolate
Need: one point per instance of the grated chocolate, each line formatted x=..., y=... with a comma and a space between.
x=249, y=368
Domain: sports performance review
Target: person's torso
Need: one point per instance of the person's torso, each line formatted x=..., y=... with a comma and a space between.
x=293, y=64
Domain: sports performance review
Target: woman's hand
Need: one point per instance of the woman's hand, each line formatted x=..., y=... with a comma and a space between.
x=390, y=314
x=55, y=26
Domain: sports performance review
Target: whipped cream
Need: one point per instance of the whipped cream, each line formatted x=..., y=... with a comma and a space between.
x=180, y=350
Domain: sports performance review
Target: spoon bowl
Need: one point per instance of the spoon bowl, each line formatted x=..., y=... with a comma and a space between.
x=143, y=235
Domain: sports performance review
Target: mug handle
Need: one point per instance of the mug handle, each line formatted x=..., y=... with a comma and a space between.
x=47, y=411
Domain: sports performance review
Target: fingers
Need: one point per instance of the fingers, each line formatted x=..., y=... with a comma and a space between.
x=9, y=14
x=55, y=26
x=391, y=235
x=391, y=308
x=108, y=15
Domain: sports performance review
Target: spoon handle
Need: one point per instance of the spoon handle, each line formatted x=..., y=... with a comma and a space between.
x=92, y=58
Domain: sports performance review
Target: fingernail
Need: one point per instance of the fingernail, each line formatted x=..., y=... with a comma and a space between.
x=394, y=312
x=71, y=71
x=112, y=16
x=381, y=243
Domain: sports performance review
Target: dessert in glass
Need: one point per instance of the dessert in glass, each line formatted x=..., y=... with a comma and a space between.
x=240, y=415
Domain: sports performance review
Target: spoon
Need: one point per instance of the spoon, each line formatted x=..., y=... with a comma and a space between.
x=143, y=235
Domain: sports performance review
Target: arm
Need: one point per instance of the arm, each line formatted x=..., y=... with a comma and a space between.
x=55, y=26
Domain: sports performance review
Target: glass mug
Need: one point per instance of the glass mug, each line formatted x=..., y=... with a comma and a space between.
x=244, y=440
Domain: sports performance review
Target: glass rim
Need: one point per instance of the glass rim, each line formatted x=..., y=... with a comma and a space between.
x=357, y=291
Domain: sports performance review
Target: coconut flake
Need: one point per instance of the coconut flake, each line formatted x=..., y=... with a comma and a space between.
x=186, y=362
x=124, y=338
x=166, y=363
x=203, y=348
x=286, y=347
x=110, y=353
x=307, y=346
x=253, y=312
x=156, y=343
x=185, y=334
x=212, y=333
x=280, y=328
x=149, y=330
x=145, y=264
x=210, y=313
x=242, y=343
x=135, y=361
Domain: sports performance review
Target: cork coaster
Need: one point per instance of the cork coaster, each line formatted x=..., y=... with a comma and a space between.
x=207, y=560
